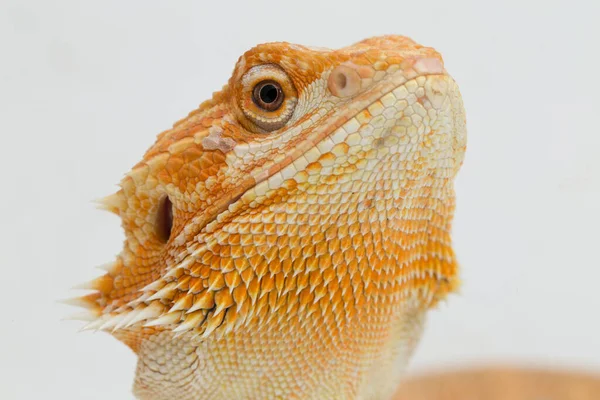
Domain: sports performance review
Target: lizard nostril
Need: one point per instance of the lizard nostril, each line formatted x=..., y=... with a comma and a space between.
x=164, y=220
x=340, y=80
x=344, y=81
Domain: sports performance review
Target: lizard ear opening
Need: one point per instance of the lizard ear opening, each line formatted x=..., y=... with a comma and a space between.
x=164, y=220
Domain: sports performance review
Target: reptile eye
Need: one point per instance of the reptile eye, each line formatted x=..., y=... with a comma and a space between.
x=164, y=220
x=268, y=95
x=267, y=98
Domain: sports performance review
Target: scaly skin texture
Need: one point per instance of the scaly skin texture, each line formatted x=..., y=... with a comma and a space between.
x=503, y=383
x=306, y=242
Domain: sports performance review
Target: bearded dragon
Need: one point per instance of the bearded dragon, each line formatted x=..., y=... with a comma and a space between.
x=286, y=239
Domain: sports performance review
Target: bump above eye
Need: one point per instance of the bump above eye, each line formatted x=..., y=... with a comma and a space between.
x=268, y=95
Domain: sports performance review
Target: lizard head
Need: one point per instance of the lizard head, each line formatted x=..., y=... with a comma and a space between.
x=313, y=173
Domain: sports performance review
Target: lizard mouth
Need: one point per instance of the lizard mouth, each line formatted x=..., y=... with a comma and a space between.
x=361, y=116
x=341, y=125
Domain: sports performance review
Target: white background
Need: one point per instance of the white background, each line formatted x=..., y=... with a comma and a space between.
x=86, y=86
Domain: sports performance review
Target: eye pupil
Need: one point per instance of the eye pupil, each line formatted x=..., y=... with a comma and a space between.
x=268, y=95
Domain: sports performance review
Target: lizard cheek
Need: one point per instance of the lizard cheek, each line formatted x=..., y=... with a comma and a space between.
x=344, y=81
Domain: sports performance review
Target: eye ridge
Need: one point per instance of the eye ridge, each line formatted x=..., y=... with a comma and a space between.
x=268, y=95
